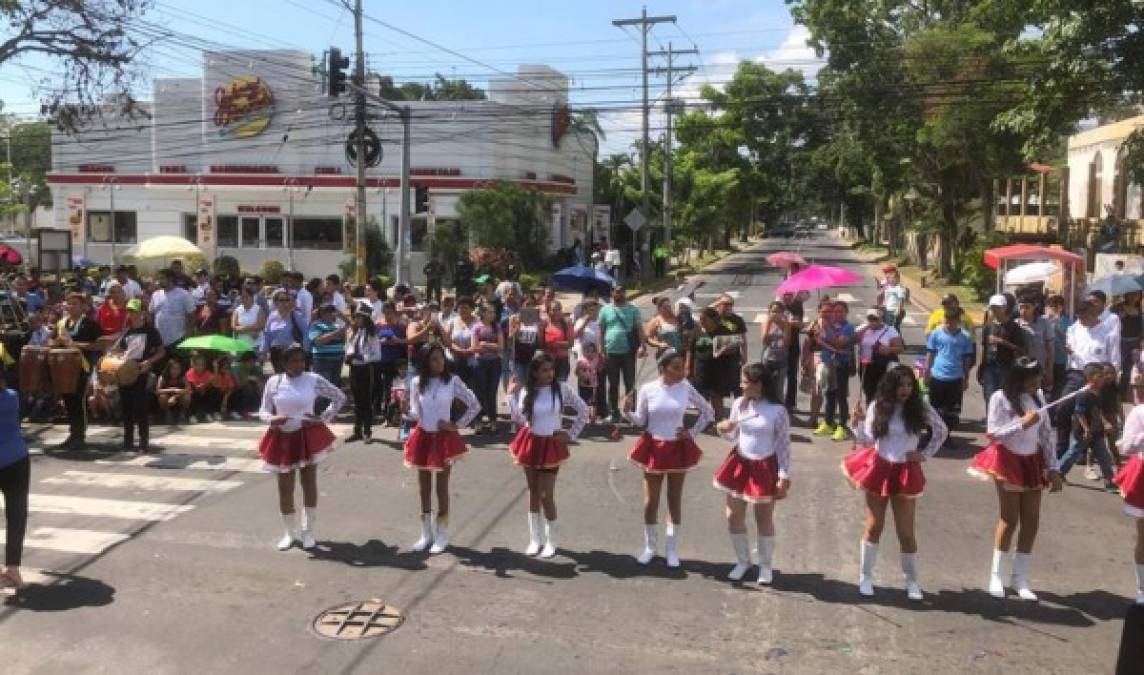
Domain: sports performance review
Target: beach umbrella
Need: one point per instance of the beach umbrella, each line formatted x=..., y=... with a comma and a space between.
x=218, y=343
x=580, y=278
x=82, y=261
x=9, y=255
x=817, y=277
x=1031, y=273
x=164, y=247
x=785, y=259
x=1116, y=284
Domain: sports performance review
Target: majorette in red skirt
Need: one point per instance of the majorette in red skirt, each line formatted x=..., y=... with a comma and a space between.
x=433, y=450
x=537, y=452
x=752, y=480
x=1020, y=472
x=285, y=451
x=868, y=470
x=1130, y=480
x=658, y=456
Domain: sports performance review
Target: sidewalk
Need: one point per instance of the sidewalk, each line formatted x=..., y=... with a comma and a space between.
x=925, y=298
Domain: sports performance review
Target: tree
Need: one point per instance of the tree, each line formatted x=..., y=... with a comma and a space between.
x=94, y=43
x=505, y=215
x=440, y=89
x=378, y=257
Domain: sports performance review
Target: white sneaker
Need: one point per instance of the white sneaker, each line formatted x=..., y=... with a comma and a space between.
x=914, y=591
x=533, y=534
x=651, y=534
x=215, y=417
x=286, y=542
x=426, y=539
x=440, y=536
x=865, y=586
x=549, y=539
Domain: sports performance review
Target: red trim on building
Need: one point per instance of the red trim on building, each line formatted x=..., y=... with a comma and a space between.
x=431, y=182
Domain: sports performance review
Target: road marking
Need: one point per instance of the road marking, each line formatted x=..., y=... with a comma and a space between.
x=174, y=440
x=138, y=482
x=908, y=320
x=847, y=298
x=105, y=508
x=84, y=542
x=189, y=462
x=733, y=294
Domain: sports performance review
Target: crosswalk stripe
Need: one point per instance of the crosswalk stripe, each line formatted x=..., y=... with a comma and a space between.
x=105, y=508
x=65, y=540
x=908, y=320
x=189, y=462
x=176, y=440
x=140, y=482
x=847, y=298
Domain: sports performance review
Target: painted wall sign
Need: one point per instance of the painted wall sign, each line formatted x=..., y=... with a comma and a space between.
x=243, y=107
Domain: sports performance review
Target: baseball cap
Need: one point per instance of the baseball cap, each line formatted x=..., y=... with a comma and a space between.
x=873, y=313
x=889, y=267
x=134, y=305
x=998, y=301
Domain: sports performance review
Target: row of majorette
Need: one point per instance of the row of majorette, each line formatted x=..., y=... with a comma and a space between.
x=886, y=465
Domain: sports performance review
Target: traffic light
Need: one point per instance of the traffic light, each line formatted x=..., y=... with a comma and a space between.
x=420, y=199
x=336, y=72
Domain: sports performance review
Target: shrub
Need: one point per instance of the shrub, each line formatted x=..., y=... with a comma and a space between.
x=271, y=271
x=228, y=265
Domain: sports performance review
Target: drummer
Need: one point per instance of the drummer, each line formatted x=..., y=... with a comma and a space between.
x=79, y=331
x=142, y=343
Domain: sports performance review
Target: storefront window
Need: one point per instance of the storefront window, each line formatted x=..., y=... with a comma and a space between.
x=99, y=226
x=419, y=233
x=250, y=229
x=318, y=233
x=228, y=231
x=274, y=231
x=191, y=227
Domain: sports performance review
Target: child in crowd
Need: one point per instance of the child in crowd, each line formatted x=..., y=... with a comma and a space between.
x=398, y=396
x=248, y=383
x=226, y=385
x=588, y=378
x=174, y=393
x=104, y=399
x=39, y=335
x=1089, y=428
x=1111, y=411
x=204, y=394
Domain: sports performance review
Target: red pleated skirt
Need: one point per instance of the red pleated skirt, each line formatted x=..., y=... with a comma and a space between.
x=282, y=452
x=1000, y=463
x=866, y=469
x=656, y=456
x=537, y=452
x=432, y=450
x=1130, y=480
x=752, y=480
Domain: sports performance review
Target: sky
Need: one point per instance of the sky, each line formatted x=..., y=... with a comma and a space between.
x=489, y=39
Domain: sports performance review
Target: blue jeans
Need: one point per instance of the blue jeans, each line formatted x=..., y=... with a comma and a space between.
x=487, y=377
x=331, y=370
x=1076, y=452
x=837, y=394
x=992, y=377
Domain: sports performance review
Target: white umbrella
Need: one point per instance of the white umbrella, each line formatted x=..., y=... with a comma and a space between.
x=1031, y=273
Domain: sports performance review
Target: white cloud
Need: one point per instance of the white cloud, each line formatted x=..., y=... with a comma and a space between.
x=794, y=52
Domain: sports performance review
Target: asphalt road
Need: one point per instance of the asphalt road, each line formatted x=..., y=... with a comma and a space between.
x=167, y=565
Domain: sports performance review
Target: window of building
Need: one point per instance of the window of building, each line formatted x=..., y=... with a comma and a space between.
x=318, y=233
x=191, y=227
x=1095, y=174
x=275, y=231
x=251, y=232
x=99, y=227
x=419, y=233
x=228, y=231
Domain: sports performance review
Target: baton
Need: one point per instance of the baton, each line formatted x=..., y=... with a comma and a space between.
x=1015, y=424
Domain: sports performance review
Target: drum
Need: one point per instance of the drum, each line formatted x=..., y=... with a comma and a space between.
x=65, y=365
x=118, y=369
x=106, y=342
x=34, y=375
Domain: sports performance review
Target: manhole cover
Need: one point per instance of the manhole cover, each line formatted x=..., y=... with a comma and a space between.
x=358, y=620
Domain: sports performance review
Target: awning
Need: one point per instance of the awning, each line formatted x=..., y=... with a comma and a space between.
x=994, y=257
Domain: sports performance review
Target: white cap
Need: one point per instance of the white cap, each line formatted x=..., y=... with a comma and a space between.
x=998, y=301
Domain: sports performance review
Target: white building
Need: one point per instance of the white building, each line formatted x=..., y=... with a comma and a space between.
x=1098, y=178
x=231, y=160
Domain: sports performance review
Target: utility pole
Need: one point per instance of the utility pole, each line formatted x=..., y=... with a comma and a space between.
x=360, y=219
x=645, y=23
x=671, y=106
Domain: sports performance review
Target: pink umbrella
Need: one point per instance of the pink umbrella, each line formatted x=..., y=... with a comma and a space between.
x=785, y=259
x=9, y=255
x=816, y=277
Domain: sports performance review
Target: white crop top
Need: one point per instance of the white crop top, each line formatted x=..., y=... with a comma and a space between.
x=898, y=440
x=546, y=416
x=295, y=396
x=1002, y=425
x=433, y=406
x=762, y=430
x=660, y=408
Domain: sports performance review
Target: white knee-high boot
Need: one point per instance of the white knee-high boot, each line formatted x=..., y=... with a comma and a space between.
x=766, y=555
x=534, y=534
x=440, y=536
x=868, y=556
x=742, y=556
x=549, y=539
x=1140, y=584
x=671, y=544
x=290, y=523
x=651, y=534
x=426, y=539
x=910, y=570
x=996, y=575
x=309, y=521
x=1021, y=576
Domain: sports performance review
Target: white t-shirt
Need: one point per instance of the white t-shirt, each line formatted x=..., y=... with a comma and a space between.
x=762, y=430
x=875, y=336
x=612, y=257
x=894, y=297
x=247, y=318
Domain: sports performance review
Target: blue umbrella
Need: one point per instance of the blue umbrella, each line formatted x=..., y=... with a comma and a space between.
x=82, y=261
x=1116, y=284
x=580, y=278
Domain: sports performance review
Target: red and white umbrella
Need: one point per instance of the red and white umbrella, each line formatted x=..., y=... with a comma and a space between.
x=785, y=259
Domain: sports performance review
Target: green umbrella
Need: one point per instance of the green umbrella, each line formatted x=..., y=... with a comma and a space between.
x=218, y=343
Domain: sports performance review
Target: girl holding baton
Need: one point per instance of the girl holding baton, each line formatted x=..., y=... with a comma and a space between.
x=1130, y=480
